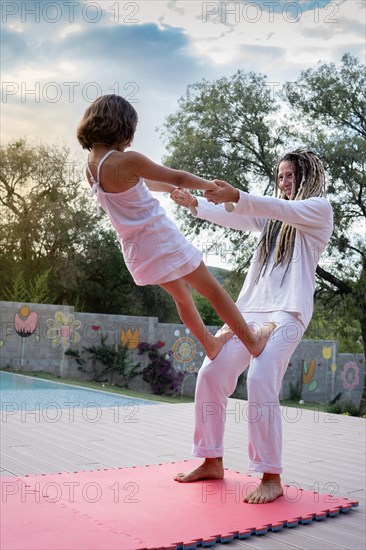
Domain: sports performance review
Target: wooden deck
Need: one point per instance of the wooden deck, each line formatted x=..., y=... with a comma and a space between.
x=322, y=452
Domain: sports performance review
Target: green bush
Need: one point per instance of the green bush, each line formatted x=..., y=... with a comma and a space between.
x=113, y=357
x=343, y=407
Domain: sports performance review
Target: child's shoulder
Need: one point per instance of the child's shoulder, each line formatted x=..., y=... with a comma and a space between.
x=128, y=156
x=129, y=159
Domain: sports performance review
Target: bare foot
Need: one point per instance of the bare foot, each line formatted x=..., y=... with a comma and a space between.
x=268, y=490
x=259, y=339
x=212, y=468
x=224, y=333
x=213, y=346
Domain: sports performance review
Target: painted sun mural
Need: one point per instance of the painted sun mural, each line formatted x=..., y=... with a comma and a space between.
x=185, y=352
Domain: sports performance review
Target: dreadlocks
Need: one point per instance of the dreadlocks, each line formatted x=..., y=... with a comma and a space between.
x=308, y=181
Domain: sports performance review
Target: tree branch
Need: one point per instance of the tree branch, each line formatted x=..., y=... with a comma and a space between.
x=335, y=281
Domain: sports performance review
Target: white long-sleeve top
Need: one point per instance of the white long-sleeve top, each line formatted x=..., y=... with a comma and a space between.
x=313, y=219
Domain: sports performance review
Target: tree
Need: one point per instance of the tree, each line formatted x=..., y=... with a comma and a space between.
x=227, y=129
x=331, y=102
x=54, y=248
x=230, y=129
x=36, y=291
x=45, y=214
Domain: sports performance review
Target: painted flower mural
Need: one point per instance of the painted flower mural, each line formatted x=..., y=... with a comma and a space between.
x=25, y=324
x=63, y=329
x=130, y=338
x=25, y=321
x=308, y=373
x=350, y=375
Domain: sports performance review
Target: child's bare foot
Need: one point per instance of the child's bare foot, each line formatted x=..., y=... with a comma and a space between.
x=213, y=346
x=224, y=333
x=212, y=468
x=259, y=338
x=268, y=490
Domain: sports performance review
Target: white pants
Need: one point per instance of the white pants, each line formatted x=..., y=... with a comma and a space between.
x=217, y=380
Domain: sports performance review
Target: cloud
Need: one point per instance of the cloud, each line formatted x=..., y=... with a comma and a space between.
x=151, y=51
x=58, y=56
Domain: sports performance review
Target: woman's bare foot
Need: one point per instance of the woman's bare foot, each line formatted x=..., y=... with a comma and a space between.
x=212, y=468
x=213, y=346
x=259, y=338
x=268, y=490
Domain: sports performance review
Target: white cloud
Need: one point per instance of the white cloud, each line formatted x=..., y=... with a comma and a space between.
x=221, y=31
x=67, y=67
x=52, y=70
x=69, y=30
x=30, y=74
x=197, y=40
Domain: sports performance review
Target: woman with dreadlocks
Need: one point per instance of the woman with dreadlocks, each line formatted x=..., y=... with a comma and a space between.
x=295, y=226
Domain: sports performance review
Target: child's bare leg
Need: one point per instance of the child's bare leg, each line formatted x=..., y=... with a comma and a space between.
x=182, y=295
x=206, y=285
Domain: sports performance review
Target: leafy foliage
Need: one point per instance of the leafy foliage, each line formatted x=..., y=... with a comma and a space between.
x=235, y=130
x=160, y=373
x=36, y=291
x=53, y=248
x=113, y=357
x=227, y=129
x=347, y=408
x=331, y=102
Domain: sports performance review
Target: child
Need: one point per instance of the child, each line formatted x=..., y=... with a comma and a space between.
x=155, y=252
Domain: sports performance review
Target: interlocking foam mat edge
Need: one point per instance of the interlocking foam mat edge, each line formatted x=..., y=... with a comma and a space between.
x=143, y=508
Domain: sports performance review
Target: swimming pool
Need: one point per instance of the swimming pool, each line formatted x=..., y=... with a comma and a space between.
x=19, y=392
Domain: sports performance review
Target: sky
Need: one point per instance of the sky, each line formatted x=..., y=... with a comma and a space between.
x=57, y=57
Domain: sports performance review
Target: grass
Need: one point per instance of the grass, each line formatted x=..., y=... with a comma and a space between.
x=103, y=387
x=149, y=396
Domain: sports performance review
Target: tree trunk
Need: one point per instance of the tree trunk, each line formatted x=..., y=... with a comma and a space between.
x=363, y=332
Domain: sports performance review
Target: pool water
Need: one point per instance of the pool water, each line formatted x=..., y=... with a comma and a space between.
x=18, y=392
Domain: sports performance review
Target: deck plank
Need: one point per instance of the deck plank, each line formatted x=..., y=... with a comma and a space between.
x=321, y=452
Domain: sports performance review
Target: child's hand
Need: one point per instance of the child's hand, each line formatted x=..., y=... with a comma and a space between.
x=183, y=197
x=212, y=186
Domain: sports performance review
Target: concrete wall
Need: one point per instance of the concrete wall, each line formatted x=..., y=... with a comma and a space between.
x=35, y=337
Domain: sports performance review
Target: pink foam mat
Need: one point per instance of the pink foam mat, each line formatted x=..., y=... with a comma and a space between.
x=144, y=508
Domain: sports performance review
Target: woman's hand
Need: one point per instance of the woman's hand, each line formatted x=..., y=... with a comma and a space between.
x=183, y=198
x=224, y=193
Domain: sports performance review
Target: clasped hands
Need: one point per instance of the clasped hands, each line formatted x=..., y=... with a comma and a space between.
x=222, y=192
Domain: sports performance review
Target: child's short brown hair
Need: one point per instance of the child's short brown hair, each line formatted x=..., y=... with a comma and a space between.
x=110, y=119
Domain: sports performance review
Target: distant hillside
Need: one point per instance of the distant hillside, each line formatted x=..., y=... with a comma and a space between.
x=219, y=273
